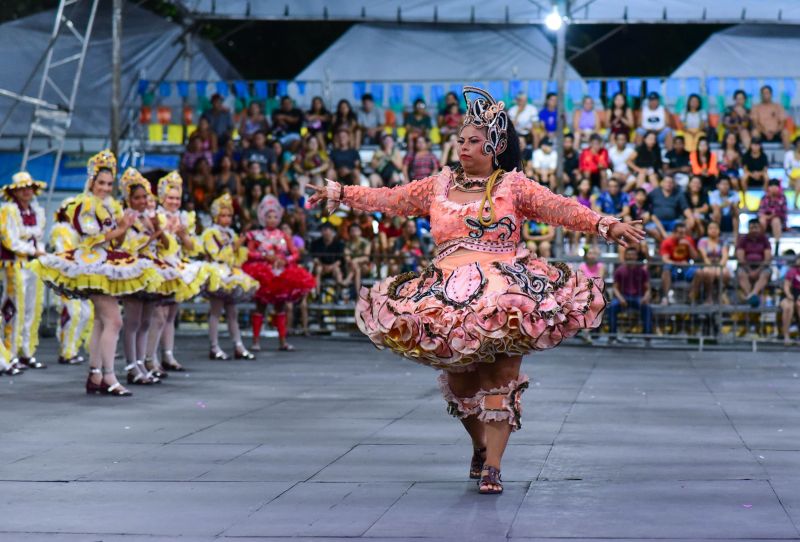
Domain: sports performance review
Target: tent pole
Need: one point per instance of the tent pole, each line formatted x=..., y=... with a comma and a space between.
x=116, y=73
x=561, y=74
x=187, y=69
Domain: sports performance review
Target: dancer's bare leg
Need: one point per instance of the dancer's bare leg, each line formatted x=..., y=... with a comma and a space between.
x=107, y=311
x=467, y=385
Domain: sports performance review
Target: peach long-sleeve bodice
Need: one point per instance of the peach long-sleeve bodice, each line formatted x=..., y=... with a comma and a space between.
x=457, y=225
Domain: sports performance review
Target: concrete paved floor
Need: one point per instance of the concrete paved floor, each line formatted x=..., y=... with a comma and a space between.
x=338, y=441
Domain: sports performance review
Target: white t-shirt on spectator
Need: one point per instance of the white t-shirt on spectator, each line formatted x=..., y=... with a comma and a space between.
x=791, y=164
x=654, y=119
x=545, y=161
x=715, y=199
x=619, y=158
x=693, y=120
x=527, y=117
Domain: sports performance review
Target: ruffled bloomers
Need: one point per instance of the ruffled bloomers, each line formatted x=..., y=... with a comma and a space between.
x=229, y=283
x=471, y=307
x=287, y=286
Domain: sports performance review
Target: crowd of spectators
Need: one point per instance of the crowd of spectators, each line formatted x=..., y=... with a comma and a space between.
x=648, y=164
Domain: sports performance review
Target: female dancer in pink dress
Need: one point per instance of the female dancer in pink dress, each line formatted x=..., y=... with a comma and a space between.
x=483, y=303
x=272, y=261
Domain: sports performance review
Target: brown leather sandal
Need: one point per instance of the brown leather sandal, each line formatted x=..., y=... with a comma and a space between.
x=491, y=478
x=476, y=465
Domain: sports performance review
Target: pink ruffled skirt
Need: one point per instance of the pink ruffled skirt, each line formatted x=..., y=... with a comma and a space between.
x=471, y=307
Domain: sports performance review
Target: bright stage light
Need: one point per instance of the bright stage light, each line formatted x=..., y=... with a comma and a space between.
x=553, y=20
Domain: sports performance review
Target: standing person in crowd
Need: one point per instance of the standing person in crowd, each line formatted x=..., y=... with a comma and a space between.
x=631, y=290
x=668, y=208
x=253, y=121
x=646, y=162
x=714, y=254
x=420, y=163
x=618, y=155
x=571, y=164
x=545, y=164
x=655, y=119
x=790, y=304
x=695, y=122
x=704, y=164
x=548, y=116
x=619, y=117
x=370, y=121
x=756, y=167
x=791, y=165
x=227, y=284
x=202, y=185
x=698, y=207
x=226, y=181
x=730, y=160
x=345, y=119
x=328, y=253
x=754, y=255
x=387, y=164
x=594, y=162
x=318, y=121
x=769, y=120
x=180, y=242
x=677, y=251
x=524, y=116
x=613, y=201
x=585, y=121
x=208, y=139
x=75, y=316
x=451, y=121
x=22, y=226
x=287, y=121
x=357, y=257
x=418, y=123
x=346, y=160
x=265, y=157
x=678, y=162
x=773, y=211
x=97, y=271
x=219, y=119
x=736, y=118
x=724, y=203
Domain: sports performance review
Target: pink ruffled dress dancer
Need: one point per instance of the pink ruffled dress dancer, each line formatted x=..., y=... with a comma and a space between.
x=483, y=303
x=272, y=261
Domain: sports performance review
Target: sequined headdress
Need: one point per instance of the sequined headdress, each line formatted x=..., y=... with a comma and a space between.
x=130, y=179
x=170, y=181
x=485, y=112
x=103, y=159
x=269, y=204
x=223, y=202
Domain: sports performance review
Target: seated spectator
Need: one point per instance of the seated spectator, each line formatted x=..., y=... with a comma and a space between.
x=755, y=167
x=613, y=201
x=387, y=163
x=773, y=210
x=736, y=119
x=538, y=238
x=227, y=181
x=314, y=162
x=585, y=121
x=714, y=254
x=421, y=163
x=287, y=121
x=389, y=229
x=730, y=159
x=544, y=164
x=263, y=154
x=677, y=251
x=451, y=98
x=769, y=120
x=194, y=152
x=256, y=176
x=591, y=266
x=232, y=151
x=631, y=290
x=207, y=137
x=318, y=120
x=526, y=152
x=370, y=120
x=754, y=254
x=345, y=119
x=645, y=162
x=449, y=156
x=669, y=208
x=618, y=156
x=640, y=207
x=724, y=204
x=408, y=251
x=572, y=170
x=695, y=122
x=791, y=164
x=294, y=198
x=451, y=121
x=357, y=257
x=678, y=162
x=328, y=252
x=418, y=122
x=790, y=304
x=619, y=117
x=346, y=160
x=524, y=115
x=704, y=164
x=583, y=195
x=201, y=184
x=253, y=121
x=219, y=119
x=253, y=195
x=548, y=116
x=364, y=221
x=655, y=118
x=594, y=162
x=699, y=208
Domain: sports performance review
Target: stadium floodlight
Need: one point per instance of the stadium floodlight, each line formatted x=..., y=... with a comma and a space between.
x=553, y=20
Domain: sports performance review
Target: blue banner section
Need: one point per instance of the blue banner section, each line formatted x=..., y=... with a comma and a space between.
x=222, y=89
x=575, y=90
x=165, y=89
x=497, y=89
x=693, y=85
x=514, y=87
x=396, y=93
x=143, y=84
x=673, y=88
x=653, y=85
x=789, y=87
x=260, y=88
x=359, y=89
x=416, y=91
x=437, y=95
x=201, y=88
x=594, y=90
x=282, y=88
x=535, y=91
x=712, y=86
x=183, y=88
x=612, y=88
x=241, y=89
x=634, y=86
x=376, y=89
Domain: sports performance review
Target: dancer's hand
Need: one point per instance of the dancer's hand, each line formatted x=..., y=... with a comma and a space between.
x=320, y=193
x=626, y=233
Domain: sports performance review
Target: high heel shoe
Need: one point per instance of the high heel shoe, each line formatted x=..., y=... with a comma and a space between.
x=138, y=377
x=149, y=367
x=476, y=465
x=91, y=387
x=117, y=390
x=170, y=363
x=242, y=353
x=32, y=363
x=217, y=354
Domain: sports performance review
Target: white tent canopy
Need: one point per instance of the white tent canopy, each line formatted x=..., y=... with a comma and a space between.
x=426, y=56
x=501, y=11
x=150, y=44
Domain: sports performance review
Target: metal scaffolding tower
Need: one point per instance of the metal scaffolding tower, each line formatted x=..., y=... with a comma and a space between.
x=53, y=105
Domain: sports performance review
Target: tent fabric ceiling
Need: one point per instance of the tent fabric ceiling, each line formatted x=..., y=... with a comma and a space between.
x=502, y=11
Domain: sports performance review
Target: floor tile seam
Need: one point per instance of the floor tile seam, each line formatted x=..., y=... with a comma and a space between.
x=783, y=507
x=403, y=494
x=237, y=456
x=258, y=508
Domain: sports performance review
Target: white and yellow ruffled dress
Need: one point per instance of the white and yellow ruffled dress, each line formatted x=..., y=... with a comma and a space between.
x=227, y=280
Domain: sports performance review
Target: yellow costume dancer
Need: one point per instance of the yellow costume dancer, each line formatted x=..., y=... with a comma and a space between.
x=75, y=317
x=22, y=224
x=228, y=284
x=179, y=228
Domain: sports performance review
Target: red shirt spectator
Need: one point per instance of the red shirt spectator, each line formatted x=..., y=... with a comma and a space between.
x=676, y=251
x=753, y=247
x=773, y=204
x=593, y=160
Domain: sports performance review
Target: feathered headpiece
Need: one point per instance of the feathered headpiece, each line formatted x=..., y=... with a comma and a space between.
x=22, y=179
x=130, y=179
x=268, y=205
x=103, y=159
x=223, y=202
x=170, y=181
x=485, y=112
